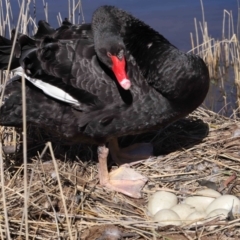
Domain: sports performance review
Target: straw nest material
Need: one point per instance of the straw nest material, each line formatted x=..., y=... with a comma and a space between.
x=65, y=200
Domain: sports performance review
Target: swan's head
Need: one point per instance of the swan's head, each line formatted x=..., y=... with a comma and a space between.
x=112, y=53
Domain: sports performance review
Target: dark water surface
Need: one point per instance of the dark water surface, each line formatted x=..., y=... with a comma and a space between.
x=172, y=18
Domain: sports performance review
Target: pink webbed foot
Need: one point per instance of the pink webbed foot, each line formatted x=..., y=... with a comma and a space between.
x=123, y=179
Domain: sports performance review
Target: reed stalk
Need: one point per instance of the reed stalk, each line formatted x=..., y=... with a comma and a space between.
x=221, y=56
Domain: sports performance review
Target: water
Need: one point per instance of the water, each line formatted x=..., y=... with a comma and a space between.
x=174, y=19
x=222, y=99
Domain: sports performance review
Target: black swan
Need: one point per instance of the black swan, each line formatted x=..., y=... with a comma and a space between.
x=119, y=77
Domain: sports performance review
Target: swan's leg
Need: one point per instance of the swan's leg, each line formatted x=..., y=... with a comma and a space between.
x=124, y=179
x=131, y=154
x=102, y=166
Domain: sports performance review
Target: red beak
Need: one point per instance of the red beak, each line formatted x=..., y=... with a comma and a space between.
x=119, y=70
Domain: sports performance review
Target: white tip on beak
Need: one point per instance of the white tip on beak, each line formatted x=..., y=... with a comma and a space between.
x=125, y=84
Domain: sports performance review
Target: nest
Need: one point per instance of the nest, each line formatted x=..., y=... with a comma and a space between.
x=65, y=200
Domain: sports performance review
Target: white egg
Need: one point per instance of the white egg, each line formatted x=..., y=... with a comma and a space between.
x=227, y=202
x=196, y=218
x=161, y=200
x=221, y=213
x=199, y=202
x=167, y=217
x=236, y=133
x=183, y=210
x=208, y=193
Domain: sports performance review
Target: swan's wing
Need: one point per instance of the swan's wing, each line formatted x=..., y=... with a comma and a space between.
x=48, y=89
x=42, y=111
x=66, y=31
x=44, y=29
x=76, y=64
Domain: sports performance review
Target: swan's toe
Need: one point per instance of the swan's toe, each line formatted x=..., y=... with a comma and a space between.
x=127, y=181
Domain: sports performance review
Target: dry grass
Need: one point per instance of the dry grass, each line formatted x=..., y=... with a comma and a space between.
x=221, y=56
x=65, y=200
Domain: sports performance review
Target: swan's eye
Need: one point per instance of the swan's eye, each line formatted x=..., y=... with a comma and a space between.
x=109, y=54
x=120, y=54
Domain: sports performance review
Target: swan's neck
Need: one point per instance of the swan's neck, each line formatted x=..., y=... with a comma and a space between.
x=104, y=28
x=145, y=44
x=176, y=75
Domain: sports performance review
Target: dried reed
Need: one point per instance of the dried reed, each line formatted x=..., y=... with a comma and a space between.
x=64, y=200
x=221, y=56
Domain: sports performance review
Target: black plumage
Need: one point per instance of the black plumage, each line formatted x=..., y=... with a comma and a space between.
x=166, y=83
